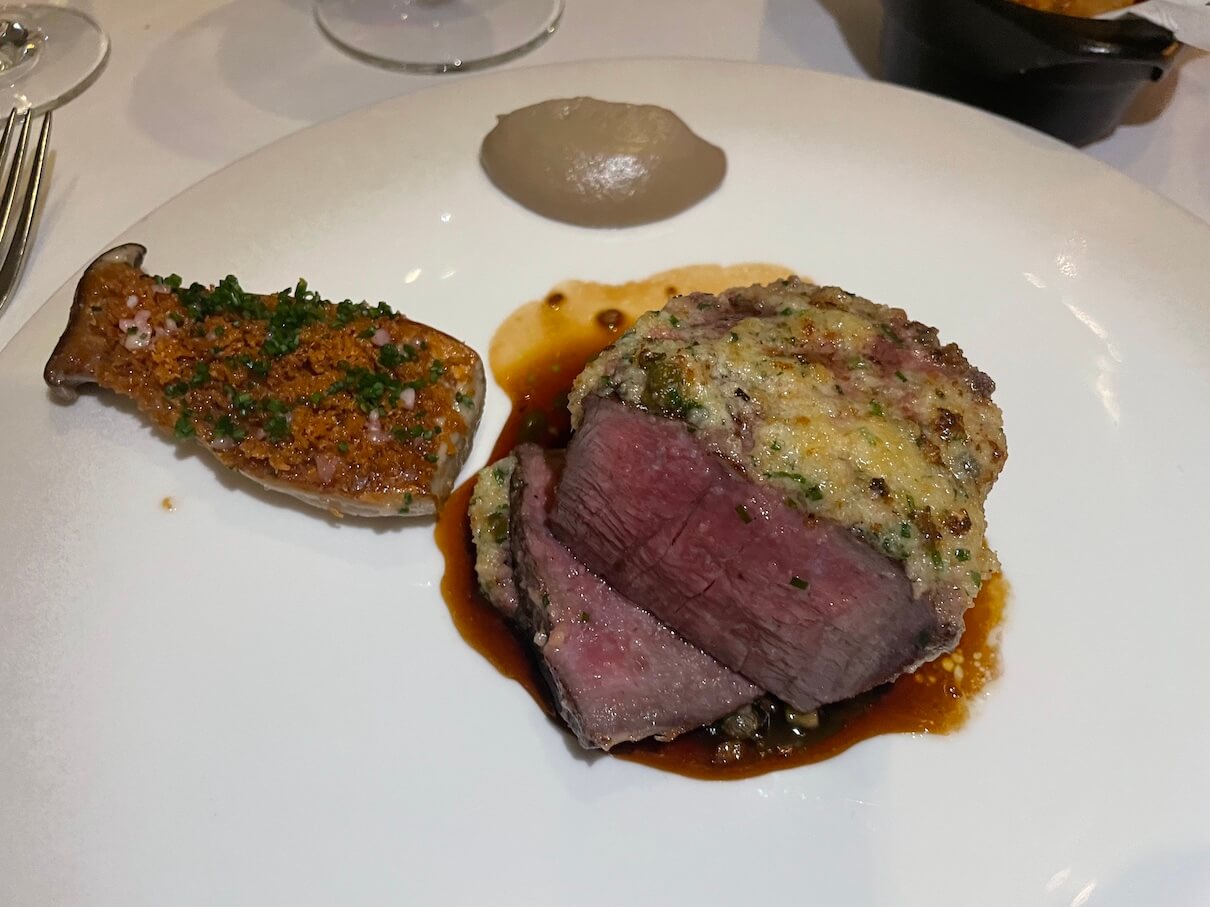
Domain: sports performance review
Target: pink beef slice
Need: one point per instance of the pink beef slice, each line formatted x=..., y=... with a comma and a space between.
x=797, y=604
x=617, y=673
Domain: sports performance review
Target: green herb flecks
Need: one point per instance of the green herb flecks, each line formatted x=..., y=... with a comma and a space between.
x=811, y=490
x=391, y=356
x=277, y=428
x=346, y=312
x=184, y=425
x=404, y=433
x=225, y=428
x=664, y=392
x=371, y=389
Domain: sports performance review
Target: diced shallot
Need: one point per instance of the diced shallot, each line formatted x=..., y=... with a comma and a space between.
x=374, y=429
x=137, y=331
x=170, y=327
x=325, y=467
x=380, y=337
x=407, y=397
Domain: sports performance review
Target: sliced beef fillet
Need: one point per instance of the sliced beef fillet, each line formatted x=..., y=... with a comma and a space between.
x=796, y=603
x=616, y=672
x=850, y=408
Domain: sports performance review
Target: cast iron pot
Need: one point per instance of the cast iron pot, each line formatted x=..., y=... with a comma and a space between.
x=1073, y=78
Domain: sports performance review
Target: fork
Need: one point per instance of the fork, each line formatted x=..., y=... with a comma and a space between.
x=19, y=124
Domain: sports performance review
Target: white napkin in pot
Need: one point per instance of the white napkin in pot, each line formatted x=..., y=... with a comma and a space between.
x=1189, y=20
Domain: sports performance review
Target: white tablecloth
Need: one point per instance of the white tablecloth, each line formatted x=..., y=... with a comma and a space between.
x=192, y=85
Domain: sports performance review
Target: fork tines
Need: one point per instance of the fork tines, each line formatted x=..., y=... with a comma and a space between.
x=17, y=239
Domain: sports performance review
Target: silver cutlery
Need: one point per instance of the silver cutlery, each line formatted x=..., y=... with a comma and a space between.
x=24, y=180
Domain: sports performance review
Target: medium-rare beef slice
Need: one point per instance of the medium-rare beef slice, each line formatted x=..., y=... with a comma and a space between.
x=847, y=408
x=798, y=604
x=617, y=673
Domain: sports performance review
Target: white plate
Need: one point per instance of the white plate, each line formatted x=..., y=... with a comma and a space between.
x=241, y=702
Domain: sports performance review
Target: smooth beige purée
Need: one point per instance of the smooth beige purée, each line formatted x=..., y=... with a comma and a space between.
x=601, y=164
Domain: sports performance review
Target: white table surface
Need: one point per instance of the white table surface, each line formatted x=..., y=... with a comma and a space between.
x=192, y=85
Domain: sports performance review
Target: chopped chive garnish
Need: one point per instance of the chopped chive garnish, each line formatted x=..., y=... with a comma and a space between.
x=184, y=425
x=787, y=475
x=277, y=428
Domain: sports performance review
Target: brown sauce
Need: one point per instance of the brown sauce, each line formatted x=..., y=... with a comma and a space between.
x=535, y=357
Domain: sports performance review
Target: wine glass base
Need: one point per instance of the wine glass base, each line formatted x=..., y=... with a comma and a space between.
x=437, y=36
x=64, y=54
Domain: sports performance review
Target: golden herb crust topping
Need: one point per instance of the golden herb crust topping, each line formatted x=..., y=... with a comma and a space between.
x=351, y=404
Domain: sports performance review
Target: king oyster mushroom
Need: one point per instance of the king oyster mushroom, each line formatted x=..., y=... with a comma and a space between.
x=345, y=406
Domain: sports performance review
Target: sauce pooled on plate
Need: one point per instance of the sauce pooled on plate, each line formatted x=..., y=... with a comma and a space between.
x=535, y=356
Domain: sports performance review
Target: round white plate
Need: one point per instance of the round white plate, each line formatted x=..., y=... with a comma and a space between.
x=244, y=702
